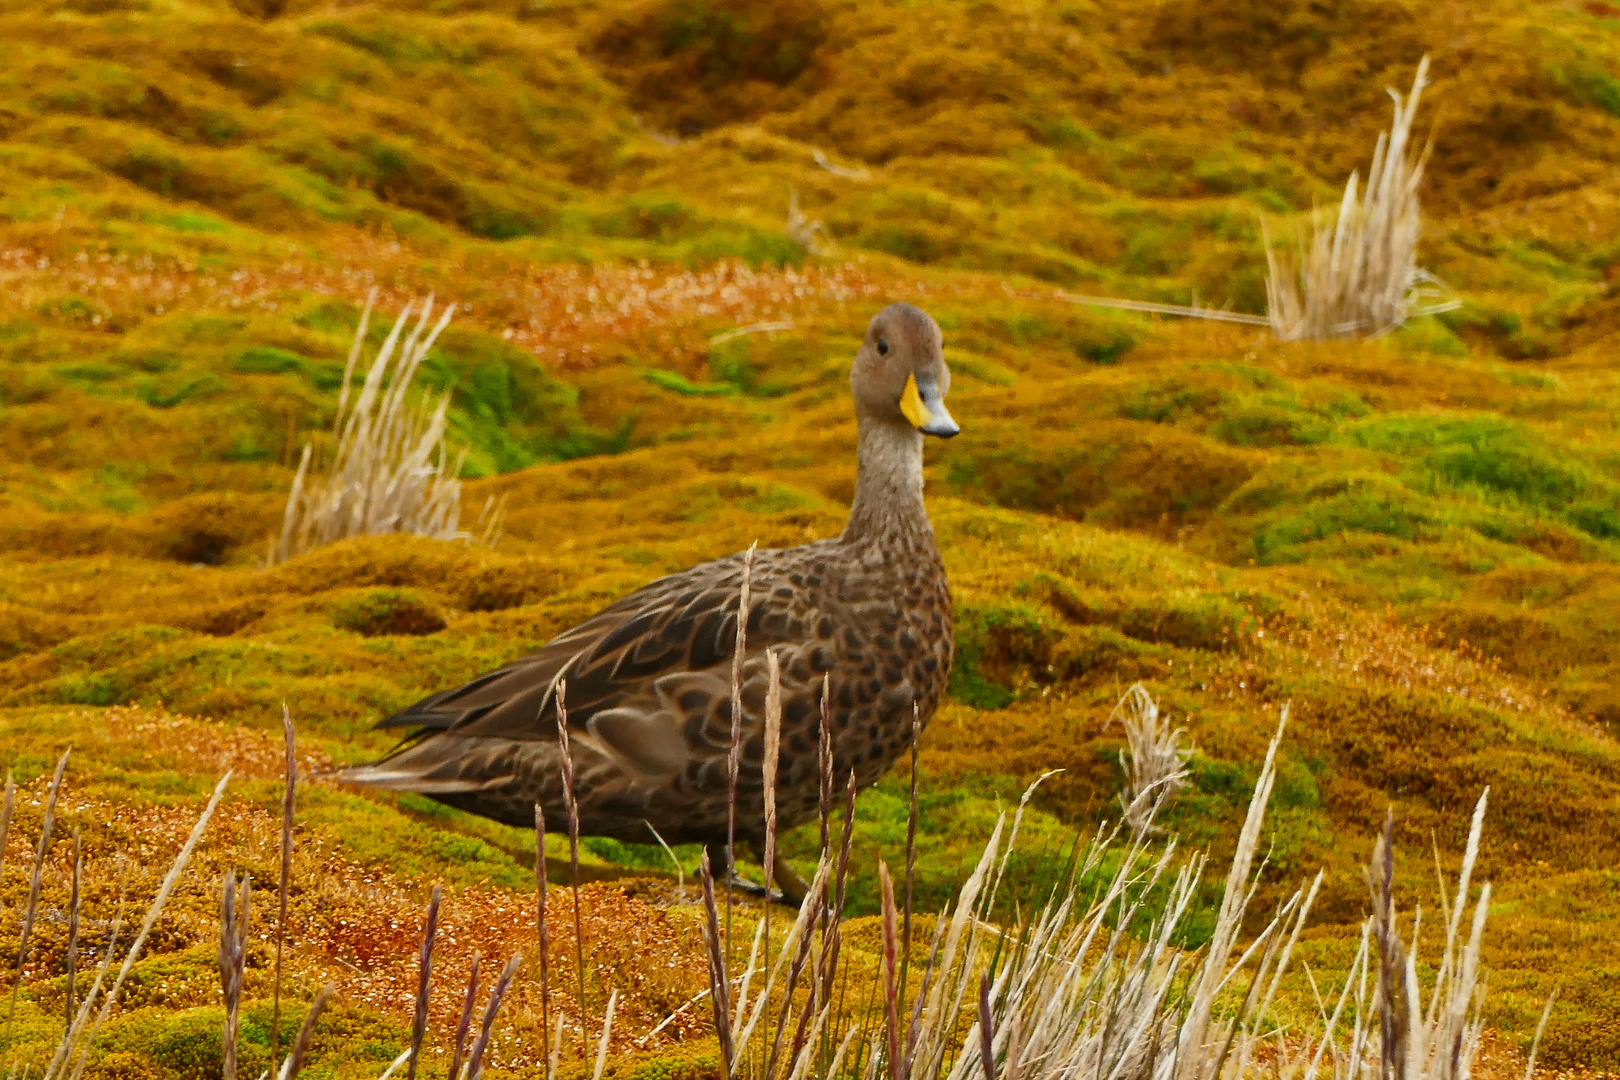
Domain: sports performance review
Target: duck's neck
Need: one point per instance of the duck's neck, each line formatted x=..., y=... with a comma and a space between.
x=888, y=502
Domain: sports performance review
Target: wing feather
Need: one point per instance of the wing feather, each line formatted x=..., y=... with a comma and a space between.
x=682, y=623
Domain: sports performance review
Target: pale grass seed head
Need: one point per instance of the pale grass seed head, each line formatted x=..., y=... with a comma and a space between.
x=391, y=471
x=1155, y=765
x=1359, y=277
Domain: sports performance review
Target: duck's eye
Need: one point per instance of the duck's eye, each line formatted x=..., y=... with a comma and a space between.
x=883, y=347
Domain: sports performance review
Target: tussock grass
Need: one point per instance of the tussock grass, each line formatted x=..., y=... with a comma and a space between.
x=1094, y=978
x=1359, y=277
x=1156, y=766
x=390, y=469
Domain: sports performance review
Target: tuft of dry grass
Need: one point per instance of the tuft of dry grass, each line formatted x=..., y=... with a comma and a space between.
x=808, y=232
x=1390, y=1032
x=391, y=470
x=1156, y=768
x=1360, y=276
x=1097, y=980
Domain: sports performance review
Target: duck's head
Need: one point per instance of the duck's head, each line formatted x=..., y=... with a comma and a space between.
x=900, y=375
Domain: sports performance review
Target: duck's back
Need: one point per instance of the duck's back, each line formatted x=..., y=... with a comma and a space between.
x=648, y=695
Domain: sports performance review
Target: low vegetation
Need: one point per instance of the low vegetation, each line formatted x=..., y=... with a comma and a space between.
x=390, y=470
x=1410, y=541
x=1359, y=277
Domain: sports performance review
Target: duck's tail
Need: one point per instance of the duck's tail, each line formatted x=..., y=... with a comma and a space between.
x=437, y=765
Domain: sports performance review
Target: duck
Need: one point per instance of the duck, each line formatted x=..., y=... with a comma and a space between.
x=646, y=684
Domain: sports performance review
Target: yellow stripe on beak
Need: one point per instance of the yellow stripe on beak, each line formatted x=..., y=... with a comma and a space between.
x=911, y=403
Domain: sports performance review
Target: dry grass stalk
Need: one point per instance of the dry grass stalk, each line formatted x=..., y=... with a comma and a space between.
x=808, y=232
x=34, y=883
x=814, y=903
x=1392, y=1034
x=75, y=904
x=465, y=1022
x=424, y=982
x=73, y=1052
x=674, y=860
x=1360, y=277
x=1541, y=1027
x=475, y=1057
x=1193, y=311
x=295, y=1059
x=571, y=806
x=491, y=522
x=390, y=471
x=891, y=973
x=234, y=915
x=768, y=766
x=842, y=171
x=607, y=1030
x=1155, y=769
x=987, y=1028
x=719, y=979
x=7, y=804
x=555, y=1055
x=544, y=932
x=397, y=1064
x=734, y=754
x=767, y=327
x=288, y=792
x=911, y=853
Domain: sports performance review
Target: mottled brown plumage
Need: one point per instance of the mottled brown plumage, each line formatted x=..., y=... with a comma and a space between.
x=648, y=680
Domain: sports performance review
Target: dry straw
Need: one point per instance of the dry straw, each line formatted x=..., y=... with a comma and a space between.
x=34, y=883
x=1095, y=981
x=1359, y=275
x=808, y=232
x=1155, y=768
x=289, y=792
x=424, y=982
x=391, y=470
x=234, y=914
x=571, y=809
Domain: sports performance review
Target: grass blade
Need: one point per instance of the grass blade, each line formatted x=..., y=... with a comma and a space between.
x=295, y=1059
x=287, y=795
x=475, y=1059
x=465, y=1022
x=419, y=1021
x=33, y=889
x=572, y=807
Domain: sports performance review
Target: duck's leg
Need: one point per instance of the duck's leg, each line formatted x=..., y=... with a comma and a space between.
x=790, y=881
x=792, y=888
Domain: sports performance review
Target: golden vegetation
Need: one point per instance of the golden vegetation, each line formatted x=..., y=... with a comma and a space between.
x=1414, y=541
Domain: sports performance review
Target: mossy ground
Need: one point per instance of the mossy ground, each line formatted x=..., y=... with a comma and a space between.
x=1415, y=541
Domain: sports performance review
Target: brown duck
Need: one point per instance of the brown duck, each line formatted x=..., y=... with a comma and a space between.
x=648, y=680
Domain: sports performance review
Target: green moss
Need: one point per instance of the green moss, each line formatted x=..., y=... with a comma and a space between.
x=387, y=612
x=268, y=360
x=1275, y=423
x=669, y=380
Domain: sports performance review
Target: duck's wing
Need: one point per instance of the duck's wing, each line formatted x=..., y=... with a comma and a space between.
x=635, y=677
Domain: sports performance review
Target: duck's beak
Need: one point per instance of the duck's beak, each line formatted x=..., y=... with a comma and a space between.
x=923, y=407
